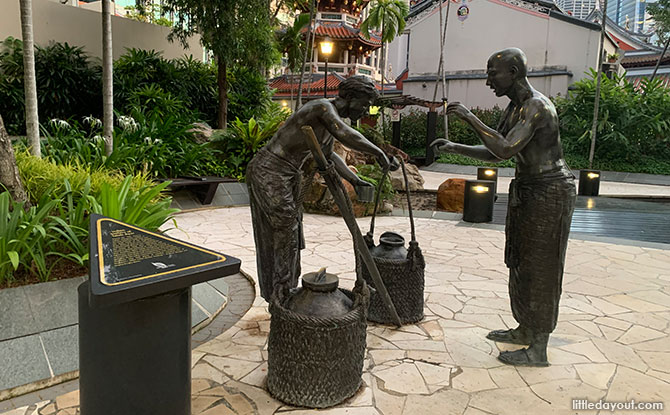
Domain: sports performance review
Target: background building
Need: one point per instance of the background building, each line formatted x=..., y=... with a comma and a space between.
x=577, y=8
x=629, y=14
x=352, y=54
x=82, y=26
x=560, y=48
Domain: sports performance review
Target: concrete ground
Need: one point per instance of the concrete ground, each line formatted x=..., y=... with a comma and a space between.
x=611, y=342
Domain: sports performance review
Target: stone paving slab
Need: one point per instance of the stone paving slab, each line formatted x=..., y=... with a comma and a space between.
x=54, y=304
x=612, y=341
x=62, y=348
x=16, y=318
x=23, y=361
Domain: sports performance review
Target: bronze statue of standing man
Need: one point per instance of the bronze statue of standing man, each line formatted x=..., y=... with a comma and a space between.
x=541, y=202
x=274, y=178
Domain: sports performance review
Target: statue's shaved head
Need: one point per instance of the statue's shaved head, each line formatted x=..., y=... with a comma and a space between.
x=511, y=57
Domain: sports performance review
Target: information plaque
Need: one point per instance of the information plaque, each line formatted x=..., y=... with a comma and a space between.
x=129, y=263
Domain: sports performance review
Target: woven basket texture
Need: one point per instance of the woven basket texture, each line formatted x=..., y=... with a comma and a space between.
x=404, y=281
x=315, y=362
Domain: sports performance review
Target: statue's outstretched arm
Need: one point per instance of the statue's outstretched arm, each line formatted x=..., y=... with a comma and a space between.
x=344, y=171
x=352, y=138
x=504, y=147
x=476, y=152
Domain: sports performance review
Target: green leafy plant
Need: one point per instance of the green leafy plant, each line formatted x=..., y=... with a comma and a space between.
x=413, y=129
x=134, y=206
x=70, y=233
x=632, y=124
x=239, y=143
x=22, y=237
x=372, y=173
x=42, y=176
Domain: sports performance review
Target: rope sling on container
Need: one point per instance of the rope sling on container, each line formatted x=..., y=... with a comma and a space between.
x=403, y=278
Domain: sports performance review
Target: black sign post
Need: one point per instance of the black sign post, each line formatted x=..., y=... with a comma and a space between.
x=135, y=319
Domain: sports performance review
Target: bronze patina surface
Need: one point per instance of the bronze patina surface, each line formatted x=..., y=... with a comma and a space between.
x=541, y=202
x=274, y=177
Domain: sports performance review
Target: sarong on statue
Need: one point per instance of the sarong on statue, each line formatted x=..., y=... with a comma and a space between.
x=539, y=215
x=274, y=188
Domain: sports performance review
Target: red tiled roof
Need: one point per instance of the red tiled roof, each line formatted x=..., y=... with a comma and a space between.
x=643, y=60
x=284, y=85
x=340, y=31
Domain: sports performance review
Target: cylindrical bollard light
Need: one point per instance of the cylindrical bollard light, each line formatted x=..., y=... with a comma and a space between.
x=478, y=201
x=135, y=357
x=488, y=173
x=589, y=182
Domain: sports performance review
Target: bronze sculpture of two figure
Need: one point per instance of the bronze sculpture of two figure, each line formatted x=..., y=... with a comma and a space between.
x=541, y=202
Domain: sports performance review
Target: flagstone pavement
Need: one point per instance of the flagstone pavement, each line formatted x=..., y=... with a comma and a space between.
x=611, y=342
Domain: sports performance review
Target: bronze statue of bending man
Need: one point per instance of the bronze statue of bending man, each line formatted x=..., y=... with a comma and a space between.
x=541, y=202
x=274, y=177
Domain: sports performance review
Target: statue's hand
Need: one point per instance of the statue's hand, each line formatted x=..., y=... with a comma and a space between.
x=362, y=183
x=395, y=164
x=458, y=109
x=442, y=145
x=383, y=161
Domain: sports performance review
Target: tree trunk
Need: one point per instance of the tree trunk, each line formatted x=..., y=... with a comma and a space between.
x=107, y=78
x=30, y=84
x=9, y=172
x=383, y=57
x=222, y=81
x=599, y=69
x=383, y=68
x=298, y=103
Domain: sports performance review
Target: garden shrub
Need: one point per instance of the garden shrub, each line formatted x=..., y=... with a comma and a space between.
x=413, y=129
x=633, y=131
x=55, y=228
x=239, y=143
x=156, y=142
x=42, y=176
x=248, y=95
x=69, y=85
x=22, y=236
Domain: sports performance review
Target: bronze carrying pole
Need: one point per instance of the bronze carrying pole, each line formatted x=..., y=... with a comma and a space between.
x=350, y=220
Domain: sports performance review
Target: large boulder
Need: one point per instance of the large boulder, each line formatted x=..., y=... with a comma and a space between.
x=414, y=179
x=395, y=151
x=352, y=157
x=202, y=133
x=450, y=195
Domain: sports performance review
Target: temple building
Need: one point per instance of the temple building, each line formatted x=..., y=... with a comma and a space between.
x=337, y=21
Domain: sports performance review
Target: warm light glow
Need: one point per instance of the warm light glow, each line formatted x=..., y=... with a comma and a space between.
x=480, y=189
x=593, y=176
x=374, y=110
x=284, y=104
x=591, y=203
x=489, y=172
x=326, y=47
